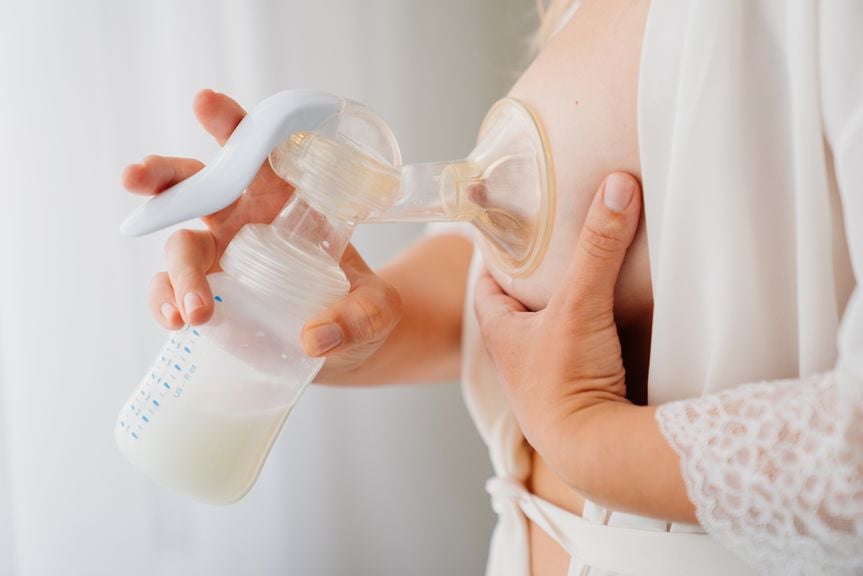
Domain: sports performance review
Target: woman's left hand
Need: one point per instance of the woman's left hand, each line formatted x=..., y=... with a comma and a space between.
x=561, y=365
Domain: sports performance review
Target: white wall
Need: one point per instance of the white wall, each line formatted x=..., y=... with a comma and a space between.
x=384, y=481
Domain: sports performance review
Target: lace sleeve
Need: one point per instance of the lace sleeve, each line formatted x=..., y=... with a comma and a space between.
x=775, y=471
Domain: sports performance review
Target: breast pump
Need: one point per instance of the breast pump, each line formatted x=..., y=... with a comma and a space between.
x=203, y=419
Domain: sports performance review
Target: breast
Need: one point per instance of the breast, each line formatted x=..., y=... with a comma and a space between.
x=584, y=89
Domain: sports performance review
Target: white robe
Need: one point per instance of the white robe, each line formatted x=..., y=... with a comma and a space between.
x=750, y=117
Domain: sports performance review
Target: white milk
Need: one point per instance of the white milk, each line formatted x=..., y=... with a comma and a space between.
x=202, y=422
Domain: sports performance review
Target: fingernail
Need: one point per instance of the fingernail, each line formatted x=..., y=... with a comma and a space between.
x=192, y=302
x=168, y=311
x=324, y=338
x=619, y=191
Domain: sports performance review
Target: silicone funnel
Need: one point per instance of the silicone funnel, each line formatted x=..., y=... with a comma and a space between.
x=504, y=187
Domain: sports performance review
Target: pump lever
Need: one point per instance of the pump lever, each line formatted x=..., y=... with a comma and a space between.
x=225, y=178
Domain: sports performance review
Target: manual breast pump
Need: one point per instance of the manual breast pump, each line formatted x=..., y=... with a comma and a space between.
x=205, y=416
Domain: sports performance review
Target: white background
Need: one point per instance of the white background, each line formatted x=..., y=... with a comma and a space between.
x=383, y=481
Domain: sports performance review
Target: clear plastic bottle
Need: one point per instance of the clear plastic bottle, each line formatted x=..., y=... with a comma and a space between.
x=205, y=416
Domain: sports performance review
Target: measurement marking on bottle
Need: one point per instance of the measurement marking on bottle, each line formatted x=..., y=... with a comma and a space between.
x=168, y=377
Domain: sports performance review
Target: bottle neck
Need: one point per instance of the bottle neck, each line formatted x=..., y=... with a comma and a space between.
x=294, y=260
x=312, y=231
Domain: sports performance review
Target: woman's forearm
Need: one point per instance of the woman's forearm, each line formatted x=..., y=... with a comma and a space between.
x=430, y=277
x=616, y=455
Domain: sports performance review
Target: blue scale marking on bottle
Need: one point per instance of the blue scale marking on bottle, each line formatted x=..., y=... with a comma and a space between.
x=171, y=372
x=176, y=354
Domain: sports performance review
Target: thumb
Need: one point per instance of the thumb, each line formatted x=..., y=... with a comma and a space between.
x=365, y=316
x=605, y=237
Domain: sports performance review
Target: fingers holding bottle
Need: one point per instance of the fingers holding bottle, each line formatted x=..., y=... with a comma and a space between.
x=182, y=294
x=355, y=326
x=163, y=307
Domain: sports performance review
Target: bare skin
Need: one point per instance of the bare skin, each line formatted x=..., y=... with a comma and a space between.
x=584, y=86
x=404, y=323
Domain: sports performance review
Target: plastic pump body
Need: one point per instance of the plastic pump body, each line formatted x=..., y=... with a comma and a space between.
x=205, y=416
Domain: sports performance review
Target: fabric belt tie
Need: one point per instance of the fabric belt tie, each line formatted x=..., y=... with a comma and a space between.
x=617, y=549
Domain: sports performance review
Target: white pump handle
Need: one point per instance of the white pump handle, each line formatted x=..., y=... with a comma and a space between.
x=223, y=180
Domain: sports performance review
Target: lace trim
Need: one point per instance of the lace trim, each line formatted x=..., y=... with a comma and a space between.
x=775, y=471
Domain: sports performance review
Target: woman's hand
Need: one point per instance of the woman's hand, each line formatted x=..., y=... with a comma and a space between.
x=348, y=333
x=182, y=294
x=563, y=364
